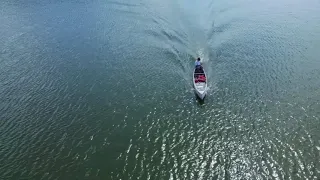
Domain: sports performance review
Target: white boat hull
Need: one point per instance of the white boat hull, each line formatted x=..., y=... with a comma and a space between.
x=200, y=87
x=201, y=90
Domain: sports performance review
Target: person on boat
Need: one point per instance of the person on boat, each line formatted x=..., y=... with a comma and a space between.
x=198, y=63
x=198, y=66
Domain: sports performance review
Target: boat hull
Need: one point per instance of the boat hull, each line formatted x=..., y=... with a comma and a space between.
x=200, y=95
x=200, y=83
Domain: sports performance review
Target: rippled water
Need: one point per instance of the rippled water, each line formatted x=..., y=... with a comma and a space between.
x=102, y=89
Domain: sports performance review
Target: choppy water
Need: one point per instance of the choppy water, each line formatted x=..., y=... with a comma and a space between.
x=102, y=89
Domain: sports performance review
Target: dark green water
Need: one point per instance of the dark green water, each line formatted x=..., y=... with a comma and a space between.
x=102, y=89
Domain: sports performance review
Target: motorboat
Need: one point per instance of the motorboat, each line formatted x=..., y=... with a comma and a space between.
x=200, y=82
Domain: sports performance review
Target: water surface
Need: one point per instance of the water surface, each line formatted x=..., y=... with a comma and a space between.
x=103, y=90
